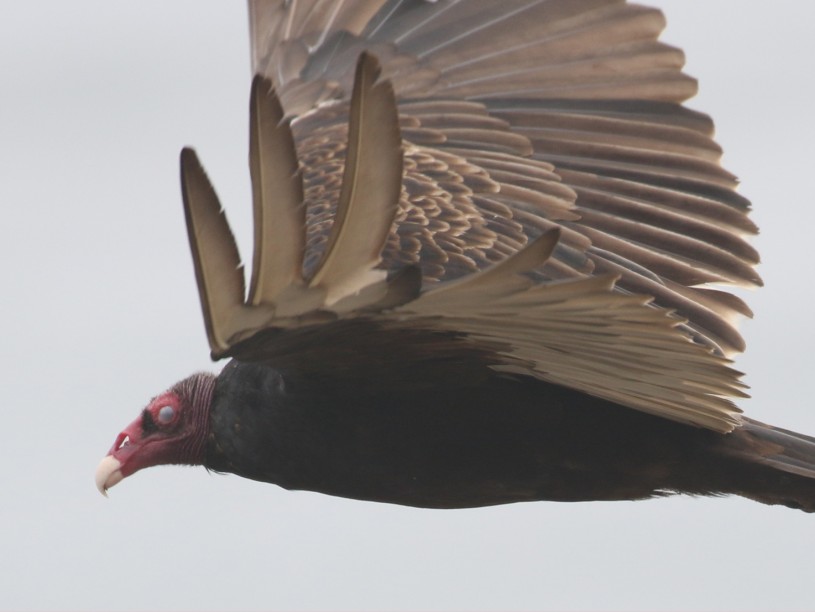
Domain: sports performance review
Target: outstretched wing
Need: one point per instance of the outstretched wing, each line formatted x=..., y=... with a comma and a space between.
x=548, y=112
x=531, y=158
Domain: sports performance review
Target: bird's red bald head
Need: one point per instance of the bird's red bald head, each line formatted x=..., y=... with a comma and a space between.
x=172, y=429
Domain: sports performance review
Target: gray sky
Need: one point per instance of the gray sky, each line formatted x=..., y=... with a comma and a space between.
x=101, y=313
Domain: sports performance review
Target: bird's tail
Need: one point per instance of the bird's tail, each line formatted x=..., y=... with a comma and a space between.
x=773, y=465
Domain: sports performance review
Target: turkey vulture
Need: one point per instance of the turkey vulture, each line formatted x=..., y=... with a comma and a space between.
x=487, y=239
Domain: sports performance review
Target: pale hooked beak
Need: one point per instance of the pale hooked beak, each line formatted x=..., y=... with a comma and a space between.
x=108, y=474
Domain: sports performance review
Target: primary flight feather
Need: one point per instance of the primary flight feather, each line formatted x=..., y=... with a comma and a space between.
x=486, y=236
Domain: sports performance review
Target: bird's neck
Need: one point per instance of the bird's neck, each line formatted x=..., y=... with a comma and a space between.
x=196, y=391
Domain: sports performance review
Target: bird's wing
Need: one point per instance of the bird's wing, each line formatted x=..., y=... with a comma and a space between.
x=346, y=275
x=528, y=126
x=583, y=88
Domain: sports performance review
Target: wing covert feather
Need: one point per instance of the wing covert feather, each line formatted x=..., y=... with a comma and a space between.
x=277, y=198
x=371, y=184
x=214, y=252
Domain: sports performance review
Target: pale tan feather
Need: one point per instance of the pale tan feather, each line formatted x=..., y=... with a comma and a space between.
x=371, y=183
x=279, y=298
x=581, y=334
x=277, y=198
x=214, y=252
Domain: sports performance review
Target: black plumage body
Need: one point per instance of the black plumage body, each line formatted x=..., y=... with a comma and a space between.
x=421, y=419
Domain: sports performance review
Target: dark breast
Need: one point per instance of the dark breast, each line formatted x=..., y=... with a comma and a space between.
x=435, y=429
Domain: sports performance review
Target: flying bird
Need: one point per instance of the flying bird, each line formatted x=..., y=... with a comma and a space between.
x=489, y=250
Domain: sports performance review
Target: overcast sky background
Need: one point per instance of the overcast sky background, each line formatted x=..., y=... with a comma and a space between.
x=100, y=312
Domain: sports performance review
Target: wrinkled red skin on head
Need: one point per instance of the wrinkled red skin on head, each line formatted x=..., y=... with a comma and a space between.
x=151, y=442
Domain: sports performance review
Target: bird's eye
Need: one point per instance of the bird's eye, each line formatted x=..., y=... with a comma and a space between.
x=166, y=414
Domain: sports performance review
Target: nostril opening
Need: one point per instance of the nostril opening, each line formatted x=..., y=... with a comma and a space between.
x=122, y=440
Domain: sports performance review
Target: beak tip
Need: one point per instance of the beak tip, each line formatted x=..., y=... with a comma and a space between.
x=108, y=474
